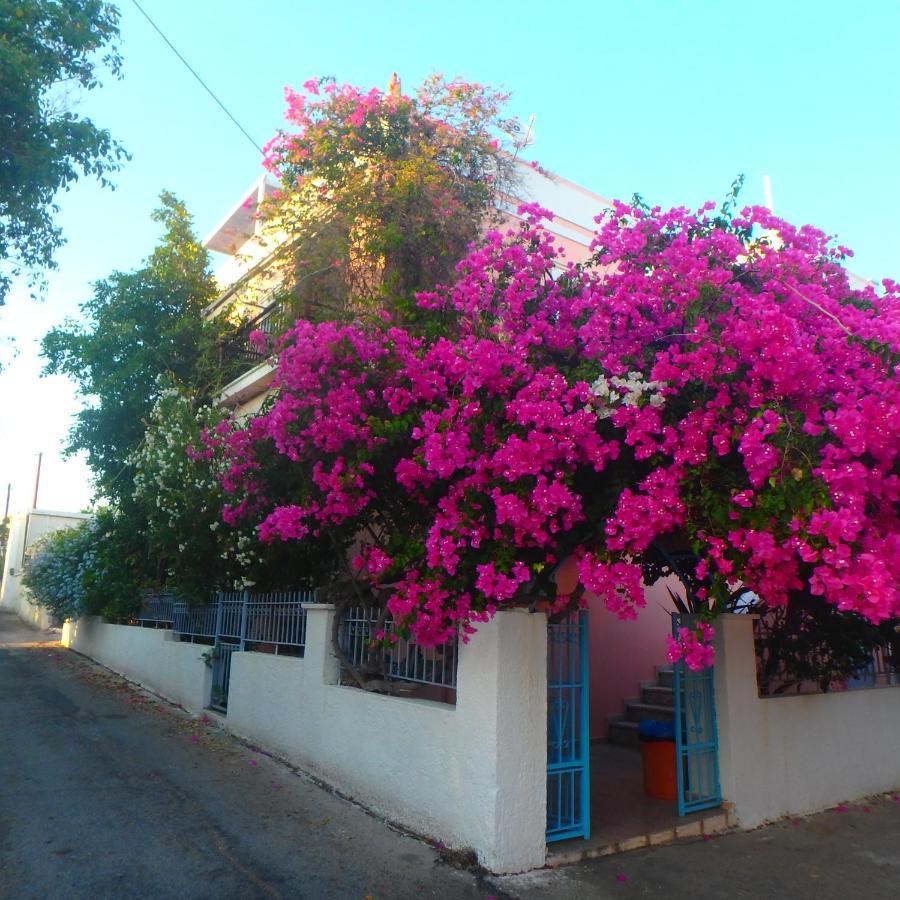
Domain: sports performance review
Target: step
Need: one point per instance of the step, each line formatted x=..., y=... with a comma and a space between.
x=697, y=826
x=665, y=676
x=635, y=711
x=656, y=694
x=622, y=733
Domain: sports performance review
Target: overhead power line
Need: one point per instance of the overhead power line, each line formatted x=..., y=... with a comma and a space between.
x=193, y=72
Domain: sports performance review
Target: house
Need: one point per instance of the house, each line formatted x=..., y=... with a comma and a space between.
x=510, y=744
x=628, y=654
x=248, y=285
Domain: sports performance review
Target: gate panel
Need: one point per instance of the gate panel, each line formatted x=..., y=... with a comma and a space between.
x=696, y=735
x=221, y=674
x=568, y=735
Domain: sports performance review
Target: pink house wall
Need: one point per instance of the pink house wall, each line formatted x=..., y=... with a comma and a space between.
x=623, y=654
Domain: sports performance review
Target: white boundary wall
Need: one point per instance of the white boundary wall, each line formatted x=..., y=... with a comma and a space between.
x=472, y=776
x=797, y=754
x=149, y=656
x=33, y=615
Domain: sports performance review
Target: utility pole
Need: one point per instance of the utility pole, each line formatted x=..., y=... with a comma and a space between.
x=8, y=491
x=37, y=481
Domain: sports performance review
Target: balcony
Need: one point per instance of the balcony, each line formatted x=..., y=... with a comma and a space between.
x=250, y=364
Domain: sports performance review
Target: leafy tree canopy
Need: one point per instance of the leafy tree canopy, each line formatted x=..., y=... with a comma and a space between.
x=136, y=326
x=48, y=48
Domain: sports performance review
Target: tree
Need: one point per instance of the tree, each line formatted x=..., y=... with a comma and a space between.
x=708, y=384
x=176, y=487
x=47, y=49
x=137, y=326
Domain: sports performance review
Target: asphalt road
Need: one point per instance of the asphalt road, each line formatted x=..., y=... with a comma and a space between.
x=106, y=792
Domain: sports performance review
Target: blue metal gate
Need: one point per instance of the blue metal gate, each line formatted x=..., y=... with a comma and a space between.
x=221, y=674
x=231, y=632
x=696, y=736
x=568, y=734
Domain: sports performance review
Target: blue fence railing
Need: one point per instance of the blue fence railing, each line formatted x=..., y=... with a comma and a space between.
x=194, y=621
x=157, y=609
x=403, y=660
x=278, y=619
x=274, y=620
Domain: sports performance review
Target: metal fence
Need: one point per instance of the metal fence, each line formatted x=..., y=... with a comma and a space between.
x=230, y=622
x=193, y=622
x=274, y=621
x=404, y=660
x=273, y=321
x=157, y=610
x=278, y=619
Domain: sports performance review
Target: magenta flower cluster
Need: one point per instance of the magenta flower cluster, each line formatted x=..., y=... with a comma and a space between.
x=719, y=386
x=693, y=646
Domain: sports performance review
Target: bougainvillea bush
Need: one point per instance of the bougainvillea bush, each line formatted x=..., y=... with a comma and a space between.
x=706, y=383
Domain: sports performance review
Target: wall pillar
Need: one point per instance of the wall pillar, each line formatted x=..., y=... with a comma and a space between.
x=738, y=712
x=317, y=653
x=502, y=684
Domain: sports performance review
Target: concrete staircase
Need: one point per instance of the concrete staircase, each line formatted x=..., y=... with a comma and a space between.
x=656, y=702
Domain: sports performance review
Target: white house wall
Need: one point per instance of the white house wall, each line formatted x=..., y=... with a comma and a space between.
x=792, y=755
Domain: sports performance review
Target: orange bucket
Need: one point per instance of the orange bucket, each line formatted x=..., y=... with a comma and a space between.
x=660, y=779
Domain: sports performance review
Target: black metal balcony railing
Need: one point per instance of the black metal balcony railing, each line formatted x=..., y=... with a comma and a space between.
x=243, y=354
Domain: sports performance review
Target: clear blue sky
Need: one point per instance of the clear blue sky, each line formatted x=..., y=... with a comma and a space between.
x=670, y=99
